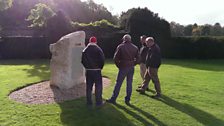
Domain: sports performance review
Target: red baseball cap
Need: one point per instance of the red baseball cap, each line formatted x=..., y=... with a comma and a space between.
x=93, y=39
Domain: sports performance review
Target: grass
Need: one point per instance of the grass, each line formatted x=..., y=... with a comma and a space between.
x=193, y=96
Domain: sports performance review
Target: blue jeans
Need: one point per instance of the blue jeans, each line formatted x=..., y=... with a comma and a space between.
x=124, y=72
x=94, y=76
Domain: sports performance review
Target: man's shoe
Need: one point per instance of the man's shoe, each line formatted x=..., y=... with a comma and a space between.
x=100, y=105
x=127, y=103
x=140, y=90
x=147, y=89
x=157, y=96
x=111, y=101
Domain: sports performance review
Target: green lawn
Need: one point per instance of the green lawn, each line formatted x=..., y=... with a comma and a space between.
x=193, y=96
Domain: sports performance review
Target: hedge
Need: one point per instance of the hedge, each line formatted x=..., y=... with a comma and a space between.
x=24, y=48
x=194, y=47
x=177, y=47
x=38, y=47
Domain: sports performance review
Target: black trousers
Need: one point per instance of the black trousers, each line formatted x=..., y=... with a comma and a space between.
x=94, y=77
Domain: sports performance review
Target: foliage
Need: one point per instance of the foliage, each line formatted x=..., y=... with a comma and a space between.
x=40, y=15
x=217, y=30
x=139, y=21
x=188, y=30
x=192, y=95
x=5, y=4
x=102, y=24
x=58, y=26
x=24, y=48
x=76, y=10
x=176, y=29
x=194, y=47
x=123, y=20
x=96, y=12
x=197, y=30
x=205, y=30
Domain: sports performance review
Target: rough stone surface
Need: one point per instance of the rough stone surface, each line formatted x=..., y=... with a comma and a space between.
x=43, y=93
x=66, y=68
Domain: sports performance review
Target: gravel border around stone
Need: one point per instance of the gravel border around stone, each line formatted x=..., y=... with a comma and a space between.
x=43, y=93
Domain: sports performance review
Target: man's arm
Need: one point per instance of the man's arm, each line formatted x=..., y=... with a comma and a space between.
x=117, y=57
x=102, y=58
x=137, y=57
x=84, y=59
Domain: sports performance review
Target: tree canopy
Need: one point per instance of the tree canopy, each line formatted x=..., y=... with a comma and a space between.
x=76, y=10
x=40, y=15
x=5, y=4
x=143, y=21
x=196, y=30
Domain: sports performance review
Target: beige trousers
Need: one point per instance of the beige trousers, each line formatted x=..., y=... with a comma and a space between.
x=142, y=70
x=152, y=73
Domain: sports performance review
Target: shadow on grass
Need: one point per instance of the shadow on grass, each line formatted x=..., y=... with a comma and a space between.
x=139, y=118
x=39, y=70
x=201, y=116
x=76, y=113
x=210, y=65
x=39, y=67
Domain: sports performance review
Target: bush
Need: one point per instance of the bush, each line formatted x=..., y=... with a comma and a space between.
x=101, y=24
x=24, y=48
x=195, y=47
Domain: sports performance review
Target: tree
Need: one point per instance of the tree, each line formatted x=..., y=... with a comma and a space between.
x=176, y=29
x=5, y=4
x=196, y=31
x=123, y=20
x=143, y=21
x=84, y=12
x=205, y=29
x=222, y=30
x=188, y=30
x=76, y=10
x=57, y=26
x=216, y=29
x=13, y=17
x=39, y=15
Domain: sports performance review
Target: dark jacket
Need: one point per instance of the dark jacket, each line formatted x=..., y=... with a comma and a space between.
x=93, y=57
x=126, y=55
x=143, y=53
x=153, y=58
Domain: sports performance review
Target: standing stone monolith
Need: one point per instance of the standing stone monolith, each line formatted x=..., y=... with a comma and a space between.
x=66, y=68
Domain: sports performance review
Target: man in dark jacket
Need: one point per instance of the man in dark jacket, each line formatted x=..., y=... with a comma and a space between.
x=153, y=62
x=125, y=57
x=93, y=61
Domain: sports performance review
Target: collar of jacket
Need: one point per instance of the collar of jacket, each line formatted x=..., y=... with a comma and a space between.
x=92, y=44
x=153, y=45
x=126, y=41
x=144, y=45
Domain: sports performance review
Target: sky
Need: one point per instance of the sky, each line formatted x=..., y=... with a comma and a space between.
x=183, y=12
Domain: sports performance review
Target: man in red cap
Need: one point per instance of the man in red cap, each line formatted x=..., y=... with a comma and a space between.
x=93, y=61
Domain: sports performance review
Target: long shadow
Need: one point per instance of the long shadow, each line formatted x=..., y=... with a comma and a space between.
x=139, y=118
x=148, y=116
x=201, y=116
x=76, y=113
x=210, y=65
x=40, y=70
